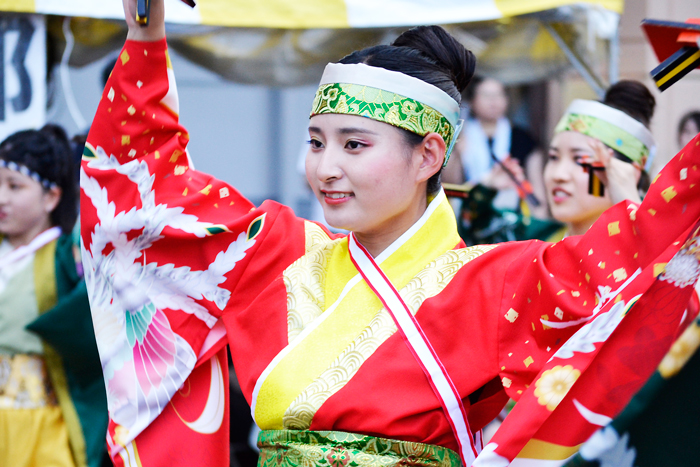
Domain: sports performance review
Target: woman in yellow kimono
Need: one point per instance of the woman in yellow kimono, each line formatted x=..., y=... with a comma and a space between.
x=51, y=396
x=391, y=345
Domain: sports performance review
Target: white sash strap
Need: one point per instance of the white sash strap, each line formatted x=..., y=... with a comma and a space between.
x=419, y=346
x=44, y=238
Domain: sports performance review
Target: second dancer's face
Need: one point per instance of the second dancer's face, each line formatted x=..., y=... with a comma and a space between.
x=566, y=180
x=363, y=174
x=25, y=207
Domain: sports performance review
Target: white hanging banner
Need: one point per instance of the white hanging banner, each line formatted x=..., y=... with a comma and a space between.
x=22, y=73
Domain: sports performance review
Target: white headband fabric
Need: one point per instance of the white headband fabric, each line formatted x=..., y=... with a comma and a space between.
x=613, y=116
x=396, y=82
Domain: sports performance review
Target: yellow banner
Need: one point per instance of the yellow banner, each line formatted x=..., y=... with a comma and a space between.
x=18, y=5
x=304, y=14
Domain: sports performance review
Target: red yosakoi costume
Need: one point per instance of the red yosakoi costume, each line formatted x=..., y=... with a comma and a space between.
x=178, y=264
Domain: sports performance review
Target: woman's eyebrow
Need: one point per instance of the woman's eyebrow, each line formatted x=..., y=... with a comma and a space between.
x=350, y=130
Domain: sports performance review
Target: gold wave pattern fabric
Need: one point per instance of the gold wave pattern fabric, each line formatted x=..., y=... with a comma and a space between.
x=315, y=236
x=427, y=283
x=305, y=282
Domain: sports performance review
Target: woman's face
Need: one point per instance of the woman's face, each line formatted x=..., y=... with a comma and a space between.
x=25, y=207
x=566, y=181
x=688, y=132
x=362, y=172
x=490, y=101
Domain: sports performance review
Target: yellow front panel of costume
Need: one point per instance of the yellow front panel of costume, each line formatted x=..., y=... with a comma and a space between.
x=330, y=308
x=32, y=428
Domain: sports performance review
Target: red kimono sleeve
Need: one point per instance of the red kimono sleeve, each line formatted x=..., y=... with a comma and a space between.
x=584, y=322
x=164, y=248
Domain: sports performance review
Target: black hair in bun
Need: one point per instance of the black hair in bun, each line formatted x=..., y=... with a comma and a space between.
x=633, y=98
x=428, y=53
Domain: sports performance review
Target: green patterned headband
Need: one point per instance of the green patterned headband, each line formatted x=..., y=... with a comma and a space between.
x=389, y=97
x=612, y=127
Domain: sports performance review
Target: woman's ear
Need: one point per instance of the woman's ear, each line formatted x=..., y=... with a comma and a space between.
x=431, y=153
x=51, y=198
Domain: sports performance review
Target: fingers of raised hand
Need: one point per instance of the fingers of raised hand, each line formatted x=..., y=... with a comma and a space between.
x=602, y=153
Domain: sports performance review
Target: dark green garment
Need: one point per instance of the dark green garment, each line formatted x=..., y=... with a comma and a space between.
x=67, y=328
x=480, y=223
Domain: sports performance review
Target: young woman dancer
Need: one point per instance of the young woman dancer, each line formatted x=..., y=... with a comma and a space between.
x=391, y=345
x=578, y=146
x=52, y=401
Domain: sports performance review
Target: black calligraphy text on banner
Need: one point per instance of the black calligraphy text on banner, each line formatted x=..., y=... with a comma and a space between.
x=22, y=73
x=26, y=30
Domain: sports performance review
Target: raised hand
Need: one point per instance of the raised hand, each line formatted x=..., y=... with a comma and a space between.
x=498, y=178
x=619, y=177
x=155, y=30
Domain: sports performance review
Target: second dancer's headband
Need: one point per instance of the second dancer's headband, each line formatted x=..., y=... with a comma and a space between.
x=612, y=127
x=389, y=97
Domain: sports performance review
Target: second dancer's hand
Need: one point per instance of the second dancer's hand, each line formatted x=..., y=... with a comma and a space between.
x=620, y=178
x=155, y=30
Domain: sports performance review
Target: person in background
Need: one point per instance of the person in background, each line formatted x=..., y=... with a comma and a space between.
x=688, y=127
x=573, y=154
x=666, y=411
x=488, y=136
x=52, y=398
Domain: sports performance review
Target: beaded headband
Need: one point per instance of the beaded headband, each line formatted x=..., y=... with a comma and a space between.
x=613, y=127
x=24, y=170
x=389, y=97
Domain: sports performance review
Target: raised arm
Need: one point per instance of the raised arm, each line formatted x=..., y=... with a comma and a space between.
x=584, y=322
x=155, y=30
x=165, y=247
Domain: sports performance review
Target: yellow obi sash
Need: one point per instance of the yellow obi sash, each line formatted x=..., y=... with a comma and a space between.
x=336, y=322
x=339, y=449
x=24, y=383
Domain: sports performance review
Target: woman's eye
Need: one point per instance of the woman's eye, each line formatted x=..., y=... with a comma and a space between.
x=315, y=144
x=353, y=145
x=584, y=160
x=552, y=156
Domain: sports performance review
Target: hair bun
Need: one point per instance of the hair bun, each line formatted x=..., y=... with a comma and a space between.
x=633, y=98
x=440, y=47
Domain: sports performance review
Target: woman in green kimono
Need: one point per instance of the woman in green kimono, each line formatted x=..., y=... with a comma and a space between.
x=52, y=400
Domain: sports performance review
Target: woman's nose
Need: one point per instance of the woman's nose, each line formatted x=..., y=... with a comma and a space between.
x=561, y=170
x=327, y=165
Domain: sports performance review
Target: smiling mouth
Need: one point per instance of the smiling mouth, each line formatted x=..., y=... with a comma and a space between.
x=559, y=194
x=337, y=195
